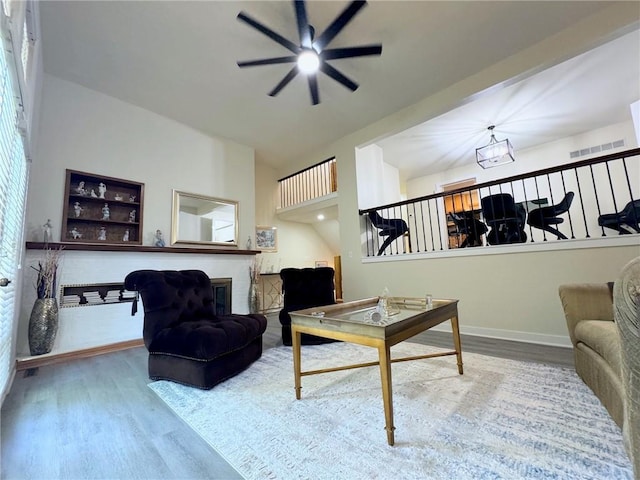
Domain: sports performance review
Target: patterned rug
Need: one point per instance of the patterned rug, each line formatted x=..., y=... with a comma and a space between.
x=502, y=419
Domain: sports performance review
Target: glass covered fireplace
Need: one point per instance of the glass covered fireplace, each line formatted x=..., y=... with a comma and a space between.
x=221, y=295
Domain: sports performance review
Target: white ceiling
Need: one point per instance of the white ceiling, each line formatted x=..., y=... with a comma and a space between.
x=178, y=59
x=587, y=92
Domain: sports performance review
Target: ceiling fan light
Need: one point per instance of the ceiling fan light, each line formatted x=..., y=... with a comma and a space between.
x=308, y=62
x=495, y=152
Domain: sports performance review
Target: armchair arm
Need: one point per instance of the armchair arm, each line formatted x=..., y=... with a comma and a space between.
x=585, y=301
x=627, y=314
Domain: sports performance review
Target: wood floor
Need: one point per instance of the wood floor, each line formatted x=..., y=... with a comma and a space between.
x=96, y=418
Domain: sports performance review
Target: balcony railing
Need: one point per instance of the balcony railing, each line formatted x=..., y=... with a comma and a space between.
x=313, y=182
x=598, y=197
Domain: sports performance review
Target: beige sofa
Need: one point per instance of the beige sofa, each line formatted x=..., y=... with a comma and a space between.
x=606, y=346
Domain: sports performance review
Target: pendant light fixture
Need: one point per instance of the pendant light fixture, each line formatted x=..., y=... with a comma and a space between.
x=495, y=152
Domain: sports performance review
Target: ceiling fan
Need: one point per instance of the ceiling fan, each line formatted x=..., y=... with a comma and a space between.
x=311, y=54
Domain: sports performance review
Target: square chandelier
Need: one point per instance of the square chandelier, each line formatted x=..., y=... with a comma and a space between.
x=495, y=152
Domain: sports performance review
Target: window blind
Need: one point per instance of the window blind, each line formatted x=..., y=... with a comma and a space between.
x=13, y=186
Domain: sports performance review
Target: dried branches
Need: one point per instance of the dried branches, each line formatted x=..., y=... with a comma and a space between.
x=254, y=270
x=47, y=269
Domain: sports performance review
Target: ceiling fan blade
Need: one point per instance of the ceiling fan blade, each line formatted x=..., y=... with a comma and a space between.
x=348, y=52
x=269, y=33
x=338, y=24
x=303, y=24
x=338, y=77
x=313, y=89
x=283, y=83
x=268, y=61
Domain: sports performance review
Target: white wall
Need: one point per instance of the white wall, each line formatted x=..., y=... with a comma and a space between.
x=378, y=182
x=84, y=130
x=528, y=160
x=299, y=244
x=635, y=114
x=512, y=294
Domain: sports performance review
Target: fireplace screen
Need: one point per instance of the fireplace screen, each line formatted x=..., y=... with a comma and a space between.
x=221, y=295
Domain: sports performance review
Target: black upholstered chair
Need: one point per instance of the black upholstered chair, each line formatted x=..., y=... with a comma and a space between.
x=505, y=218
x=305, y=288
x=626, y=221
x=187, y=342
x=391, y=228
x=473, y=229
x=544, y=217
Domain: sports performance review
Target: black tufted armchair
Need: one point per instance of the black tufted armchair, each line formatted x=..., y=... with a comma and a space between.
x=187, y=342
x=305, y=288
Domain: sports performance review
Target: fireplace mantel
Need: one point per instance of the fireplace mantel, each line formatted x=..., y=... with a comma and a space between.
x=95, y=326
x=139, y=248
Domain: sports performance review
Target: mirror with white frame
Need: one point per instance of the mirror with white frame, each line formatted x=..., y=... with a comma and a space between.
x=198, y=219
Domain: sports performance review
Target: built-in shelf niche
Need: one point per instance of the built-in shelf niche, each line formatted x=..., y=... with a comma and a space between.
x=102, y=210
x=94, y=294
x=87, y=295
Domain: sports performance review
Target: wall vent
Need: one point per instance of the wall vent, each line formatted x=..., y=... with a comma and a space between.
x=596, y=149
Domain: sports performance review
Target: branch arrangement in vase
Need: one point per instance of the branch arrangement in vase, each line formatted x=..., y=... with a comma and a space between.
x=254, y=270
x=47, y=270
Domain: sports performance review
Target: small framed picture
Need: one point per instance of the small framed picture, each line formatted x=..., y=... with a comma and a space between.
x=267, y=239
x=321, y=263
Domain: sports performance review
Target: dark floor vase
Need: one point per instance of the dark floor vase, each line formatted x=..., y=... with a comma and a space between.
x=43, y=325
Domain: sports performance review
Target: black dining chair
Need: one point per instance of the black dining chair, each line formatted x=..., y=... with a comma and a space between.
x=544, y=217
x=390, y=228
x=626, y=221
x=505, y=218
x=473, y=229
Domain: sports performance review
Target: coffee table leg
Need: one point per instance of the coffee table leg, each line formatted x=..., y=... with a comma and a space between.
x=384, y=356
x=295, y=343
x=456, y=342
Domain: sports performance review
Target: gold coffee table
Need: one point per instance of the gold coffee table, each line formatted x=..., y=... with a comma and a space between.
x=351, y=322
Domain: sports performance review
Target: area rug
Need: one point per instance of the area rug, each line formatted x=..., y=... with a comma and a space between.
x=502, y=419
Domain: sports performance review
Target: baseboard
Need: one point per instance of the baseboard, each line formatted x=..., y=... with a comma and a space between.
x=513, y=335
x=51, y=359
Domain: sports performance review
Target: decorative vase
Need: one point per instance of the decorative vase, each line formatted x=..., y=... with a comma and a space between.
x=43, y=325
x=254, y=298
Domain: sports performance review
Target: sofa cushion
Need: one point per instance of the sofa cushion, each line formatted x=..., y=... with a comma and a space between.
x=603, y=338
x=204, y=339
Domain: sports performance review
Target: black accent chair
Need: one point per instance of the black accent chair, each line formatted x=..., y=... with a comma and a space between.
x=473, y=229
x=505, y=218
x=627, y=221
x=187, y=342
x=305, y=288
x=544, y=217
x=390, y=228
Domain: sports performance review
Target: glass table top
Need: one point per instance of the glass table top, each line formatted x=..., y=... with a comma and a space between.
x=397, y=311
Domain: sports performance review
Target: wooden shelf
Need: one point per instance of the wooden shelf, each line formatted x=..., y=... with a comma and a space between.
x=137, y=248
x=106, y=222
x=102, y=210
